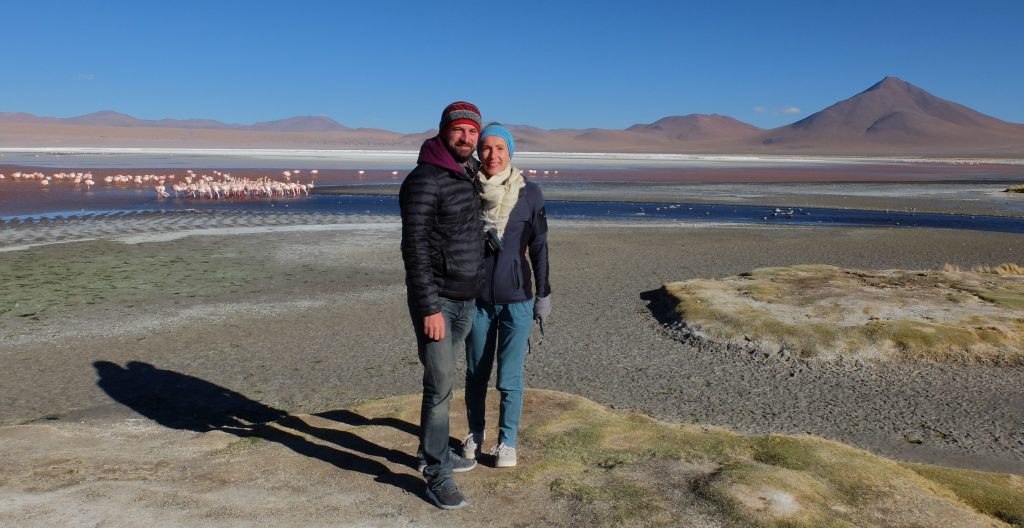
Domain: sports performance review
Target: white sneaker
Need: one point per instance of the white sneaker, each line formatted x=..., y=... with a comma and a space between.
x=471, y=445
x=504, y=456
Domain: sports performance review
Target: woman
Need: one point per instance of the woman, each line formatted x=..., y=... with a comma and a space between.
x=505, y=308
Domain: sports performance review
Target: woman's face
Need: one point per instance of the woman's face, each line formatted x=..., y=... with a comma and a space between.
x=493, y=155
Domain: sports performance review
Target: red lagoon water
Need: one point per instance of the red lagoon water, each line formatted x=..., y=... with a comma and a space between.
x=19, y=197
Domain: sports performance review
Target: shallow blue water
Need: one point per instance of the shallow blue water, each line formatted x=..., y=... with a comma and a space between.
x=638, y=211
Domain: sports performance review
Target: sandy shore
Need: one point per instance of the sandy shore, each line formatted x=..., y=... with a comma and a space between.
x=306, y=313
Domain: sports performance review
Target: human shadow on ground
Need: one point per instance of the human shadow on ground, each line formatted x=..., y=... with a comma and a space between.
x=662, y=305
x=348, y=417
x=180, y=401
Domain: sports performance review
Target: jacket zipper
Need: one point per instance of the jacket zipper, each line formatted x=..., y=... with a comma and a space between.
x=494, y=271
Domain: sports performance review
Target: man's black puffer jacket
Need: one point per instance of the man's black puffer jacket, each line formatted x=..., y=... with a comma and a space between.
x=442, y=229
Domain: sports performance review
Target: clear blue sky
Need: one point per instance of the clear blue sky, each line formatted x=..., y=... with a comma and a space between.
x=551, y=64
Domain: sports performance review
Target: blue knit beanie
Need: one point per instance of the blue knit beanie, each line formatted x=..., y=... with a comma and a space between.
x=495, y=129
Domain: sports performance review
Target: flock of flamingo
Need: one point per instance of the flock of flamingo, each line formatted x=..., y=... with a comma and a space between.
x=215, y=186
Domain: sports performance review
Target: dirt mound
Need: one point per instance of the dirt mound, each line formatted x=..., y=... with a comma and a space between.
x=826, y=312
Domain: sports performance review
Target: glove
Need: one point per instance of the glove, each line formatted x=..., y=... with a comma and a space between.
x=542, y=309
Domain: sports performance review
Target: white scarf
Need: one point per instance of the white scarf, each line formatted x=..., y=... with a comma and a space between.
x=500, y=194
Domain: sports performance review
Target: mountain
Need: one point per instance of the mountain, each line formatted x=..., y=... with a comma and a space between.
x=697, y=127
x=890, y=117
x=668, y=134
x=193, y=123
x=106, y=118
x=894, y=115
x=22, y=117
x=116, y=119
x=301, y=124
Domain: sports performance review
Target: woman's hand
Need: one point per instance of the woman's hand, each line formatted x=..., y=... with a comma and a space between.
x=542, y=309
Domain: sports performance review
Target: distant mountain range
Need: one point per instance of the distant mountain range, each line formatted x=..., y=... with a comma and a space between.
x=117, y=119
x=890, y=117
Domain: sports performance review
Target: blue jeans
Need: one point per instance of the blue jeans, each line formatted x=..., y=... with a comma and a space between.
x=501, y=330
x=438, y=359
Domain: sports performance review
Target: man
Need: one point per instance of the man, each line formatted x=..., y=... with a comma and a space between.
x=442, y=246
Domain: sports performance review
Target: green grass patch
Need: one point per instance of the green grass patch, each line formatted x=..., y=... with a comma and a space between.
x=1000, y=496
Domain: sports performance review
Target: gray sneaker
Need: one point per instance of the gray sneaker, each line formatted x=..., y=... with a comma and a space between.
x=459, y=463
x=471, y=445
x=504, y=456
x=446, y=494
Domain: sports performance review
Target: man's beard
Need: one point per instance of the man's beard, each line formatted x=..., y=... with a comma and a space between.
x=460, y=156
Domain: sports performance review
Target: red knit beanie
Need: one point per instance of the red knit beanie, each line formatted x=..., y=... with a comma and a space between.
x=460, y=113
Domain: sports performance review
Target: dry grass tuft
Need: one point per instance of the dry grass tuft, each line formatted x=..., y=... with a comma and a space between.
x=1015, y=189
x=610, y=469
x=1002, y=269
x=1008, y=268
x=826, y=312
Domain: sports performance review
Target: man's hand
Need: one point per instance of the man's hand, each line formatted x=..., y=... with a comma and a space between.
x=433, y=326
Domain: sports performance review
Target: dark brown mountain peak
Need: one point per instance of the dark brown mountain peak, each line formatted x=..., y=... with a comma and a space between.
x=891, y=97
x=897, y=115
x=891, y=83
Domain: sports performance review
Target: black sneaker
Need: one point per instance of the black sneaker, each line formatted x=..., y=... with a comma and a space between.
x=460, y=464
x=446, y=494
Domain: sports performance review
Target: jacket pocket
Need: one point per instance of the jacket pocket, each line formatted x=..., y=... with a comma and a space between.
x=516, y=277
x=439, y=261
